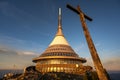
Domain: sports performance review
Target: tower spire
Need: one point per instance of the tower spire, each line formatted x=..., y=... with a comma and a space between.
x=59, y=37
x=59, y=18
x=59, y=31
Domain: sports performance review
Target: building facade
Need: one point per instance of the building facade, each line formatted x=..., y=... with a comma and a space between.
x=59, y=56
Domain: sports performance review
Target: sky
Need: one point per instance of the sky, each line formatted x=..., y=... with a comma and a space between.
x=27, y=27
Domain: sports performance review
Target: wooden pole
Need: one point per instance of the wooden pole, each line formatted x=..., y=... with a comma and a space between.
x=96, y=60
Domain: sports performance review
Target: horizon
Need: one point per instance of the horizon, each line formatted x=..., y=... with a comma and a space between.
x=34, y=65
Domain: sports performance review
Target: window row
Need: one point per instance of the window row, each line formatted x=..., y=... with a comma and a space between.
x=59, y=61
x=59, y=54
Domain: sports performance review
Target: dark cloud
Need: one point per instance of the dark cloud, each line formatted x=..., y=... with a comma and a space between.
x=8, y=51
x=9, y=57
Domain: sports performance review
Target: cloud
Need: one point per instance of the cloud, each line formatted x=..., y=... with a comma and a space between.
x=9, y=57
x=10, y=40
x=97, y=44
x=26, y=53
x=83, y=46
x=112, y=64
x=24, y=45
x=80, y=47
x=8, y=51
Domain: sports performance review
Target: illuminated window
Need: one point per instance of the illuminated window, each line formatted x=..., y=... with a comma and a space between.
x=58, y=69
x=48, y=69
x=51, y=68
x=55, y=69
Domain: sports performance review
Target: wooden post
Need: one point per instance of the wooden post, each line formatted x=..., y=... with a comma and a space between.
x=96, y=60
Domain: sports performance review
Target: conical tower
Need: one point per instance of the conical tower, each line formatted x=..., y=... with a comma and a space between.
x=59, y=56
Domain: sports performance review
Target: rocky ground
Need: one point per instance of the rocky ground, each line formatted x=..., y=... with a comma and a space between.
x=31, y=74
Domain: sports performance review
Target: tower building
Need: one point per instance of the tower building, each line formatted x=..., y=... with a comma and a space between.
x=59, y=56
